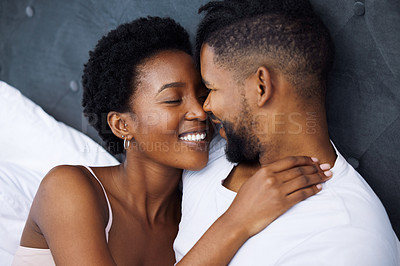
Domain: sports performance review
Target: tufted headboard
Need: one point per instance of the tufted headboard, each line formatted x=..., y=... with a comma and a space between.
x=44, y=44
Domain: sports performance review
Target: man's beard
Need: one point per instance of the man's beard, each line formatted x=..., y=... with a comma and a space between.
x=242, y=144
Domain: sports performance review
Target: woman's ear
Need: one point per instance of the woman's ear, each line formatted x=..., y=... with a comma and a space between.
x=120, y=124
x=264, y=86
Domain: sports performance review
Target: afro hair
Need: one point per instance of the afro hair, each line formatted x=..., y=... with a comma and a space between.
x=110, y=76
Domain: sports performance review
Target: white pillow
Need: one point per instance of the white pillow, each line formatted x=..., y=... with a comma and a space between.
x=31, y=143
x=33, y=139
x=18, y=186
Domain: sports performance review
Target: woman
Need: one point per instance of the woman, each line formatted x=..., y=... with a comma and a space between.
x=143, y=95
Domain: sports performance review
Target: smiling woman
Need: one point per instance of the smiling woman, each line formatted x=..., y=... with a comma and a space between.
x=167, y=112
x=144, y=95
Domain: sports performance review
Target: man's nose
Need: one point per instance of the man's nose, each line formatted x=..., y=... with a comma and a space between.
x=207, y=105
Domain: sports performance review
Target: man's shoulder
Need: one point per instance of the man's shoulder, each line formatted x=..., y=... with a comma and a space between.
x=346, y=214
x=356, y=199
x=344, y=245
x=313, y=231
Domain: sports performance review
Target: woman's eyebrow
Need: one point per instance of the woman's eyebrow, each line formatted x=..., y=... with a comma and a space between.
x=171, y=85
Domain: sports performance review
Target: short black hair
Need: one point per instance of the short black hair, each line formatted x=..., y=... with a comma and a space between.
x=285, y=35
x=110, y=77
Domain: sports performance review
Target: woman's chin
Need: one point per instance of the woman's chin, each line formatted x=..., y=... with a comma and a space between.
x=196, y=164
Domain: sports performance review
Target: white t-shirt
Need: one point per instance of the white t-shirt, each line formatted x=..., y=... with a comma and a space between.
x=344, y=224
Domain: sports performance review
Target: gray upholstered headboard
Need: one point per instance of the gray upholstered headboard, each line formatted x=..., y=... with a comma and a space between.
x=44, y=44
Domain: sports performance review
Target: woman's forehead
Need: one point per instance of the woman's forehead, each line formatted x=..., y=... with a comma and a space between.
x=166, y=68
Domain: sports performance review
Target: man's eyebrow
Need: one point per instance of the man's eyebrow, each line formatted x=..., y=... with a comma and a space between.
x=208, y=84
x=171, y=85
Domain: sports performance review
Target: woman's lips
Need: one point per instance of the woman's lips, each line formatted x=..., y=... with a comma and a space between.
x=193, y=136
x=196, y=140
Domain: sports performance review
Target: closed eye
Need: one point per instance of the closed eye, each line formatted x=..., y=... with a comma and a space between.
x=173, y=101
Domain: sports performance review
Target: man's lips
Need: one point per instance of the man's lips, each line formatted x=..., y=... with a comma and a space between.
x=213, y=118
x=219, y=124
x=215, y=121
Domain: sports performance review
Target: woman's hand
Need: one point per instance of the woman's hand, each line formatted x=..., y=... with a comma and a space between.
x=273, y=189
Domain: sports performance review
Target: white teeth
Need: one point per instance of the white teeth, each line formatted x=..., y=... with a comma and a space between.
x=194, y=137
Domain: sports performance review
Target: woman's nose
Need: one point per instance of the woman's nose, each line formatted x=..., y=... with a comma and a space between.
x=196, y=112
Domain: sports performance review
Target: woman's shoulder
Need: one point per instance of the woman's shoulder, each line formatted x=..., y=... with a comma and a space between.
x=69, y=213
x=67, y=190
x=69, y=178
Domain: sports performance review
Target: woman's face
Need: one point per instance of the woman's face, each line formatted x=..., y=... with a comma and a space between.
x=170, y=126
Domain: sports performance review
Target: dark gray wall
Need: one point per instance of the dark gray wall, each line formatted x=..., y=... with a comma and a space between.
x=44, y=44
x=363, y=101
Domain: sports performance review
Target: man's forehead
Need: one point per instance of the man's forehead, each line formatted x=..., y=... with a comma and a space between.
x=214, y=74
x=207, y=66
x=207, y=55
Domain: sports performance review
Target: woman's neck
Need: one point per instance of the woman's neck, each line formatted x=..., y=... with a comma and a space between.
x=148, y=187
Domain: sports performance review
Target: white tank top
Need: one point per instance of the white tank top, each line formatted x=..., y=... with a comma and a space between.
x=37, y=256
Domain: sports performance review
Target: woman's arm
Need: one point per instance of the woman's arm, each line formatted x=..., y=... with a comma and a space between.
x=261, y=199
x=71, y=218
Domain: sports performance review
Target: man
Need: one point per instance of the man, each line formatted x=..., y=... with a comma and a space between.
x=266, y=63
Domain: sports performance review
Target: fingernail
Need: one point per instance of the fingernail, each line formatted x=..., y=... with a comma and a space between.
x=319, y=186
x=314, y=159
x=328, y=173
x=325, y=166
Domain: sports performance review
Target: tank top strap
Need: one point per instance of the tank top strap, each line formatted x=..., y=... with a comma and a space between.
x=110, y=216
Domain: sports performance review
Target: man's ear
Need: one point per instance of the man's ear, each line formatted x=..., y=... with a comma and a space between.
x=120, y=123
x=264, y=85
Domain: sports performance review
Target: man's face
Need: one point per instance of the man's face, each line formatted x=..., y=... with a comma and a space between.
x=229, y=109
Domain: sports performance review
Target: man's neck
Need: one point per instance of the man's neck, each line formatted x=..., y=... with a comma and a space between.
x=323, y=150
x=312, y=143
x=239, y=175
